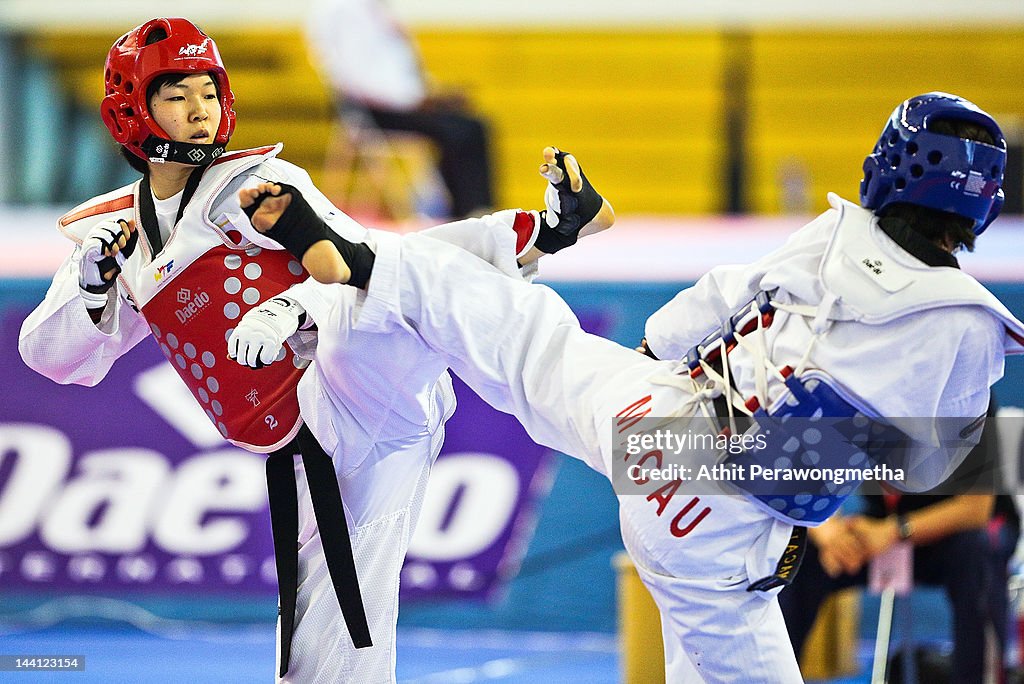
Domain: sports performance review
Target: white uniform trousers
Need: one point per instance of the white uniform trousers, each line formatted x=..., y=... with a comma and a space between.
x=520, y=347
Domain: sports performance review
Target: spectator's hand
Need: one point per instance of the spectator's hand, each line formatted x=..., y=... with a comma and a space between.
x=875, y=534
x=839, y=549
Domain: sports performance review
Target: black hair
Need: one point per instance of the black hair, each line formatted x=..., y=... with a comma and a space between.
x=134, y=161
x=942, y=227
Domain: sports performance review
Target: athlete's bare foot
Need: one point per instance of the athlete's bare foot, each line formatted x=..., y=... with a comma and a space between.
x=321, y=260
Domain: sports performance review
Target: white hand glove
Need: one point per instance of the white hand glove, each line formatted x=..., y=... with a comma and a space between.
x=259, y=337
x=553, y=204
x=104, y=250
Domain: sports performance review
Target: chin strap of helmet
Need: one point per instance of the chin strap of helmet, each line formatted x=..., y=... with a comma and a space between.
x=160, y=150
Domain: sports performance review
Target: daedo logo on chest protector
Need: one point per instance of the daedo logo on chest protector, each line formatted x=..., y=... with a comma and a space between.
x=193, y=304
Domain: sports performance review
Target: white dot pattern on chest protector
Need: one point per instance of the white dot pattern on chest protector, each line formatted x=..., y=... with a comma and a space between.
x=245, y=283
x=232, y=311
x=246, y=278
x=835, y=442
x=251, y=296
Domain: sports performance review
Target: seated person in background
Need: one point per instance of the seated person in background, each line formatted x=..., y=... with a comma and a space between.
x=952, y=549
x=372, y=64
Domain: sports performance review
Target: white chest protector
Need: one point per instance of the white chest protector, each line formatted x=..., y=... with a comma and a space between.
x=863, y=282
x=193, y=293
x=872, y=287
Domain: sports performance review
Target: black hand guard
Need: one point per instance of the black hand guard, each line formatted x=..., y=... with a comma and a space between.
x=299, y=227
x=576, y=210
x=109, y=263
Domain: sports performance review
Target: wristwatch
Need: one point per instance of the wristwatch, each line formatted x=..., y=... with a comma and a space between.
x=903, y=527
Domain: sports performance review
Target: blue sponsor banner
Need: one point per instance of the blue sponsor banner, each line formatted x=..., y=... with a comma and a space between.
x=126, y=486
x=582, y=503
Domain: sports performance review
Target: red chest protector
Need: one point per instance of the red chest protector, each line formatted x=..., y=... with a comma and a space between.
x=196, y=289
x=192, y=319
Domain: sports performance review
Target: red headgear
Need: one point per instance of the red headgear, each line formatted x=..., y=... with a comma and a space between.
x=131, y=67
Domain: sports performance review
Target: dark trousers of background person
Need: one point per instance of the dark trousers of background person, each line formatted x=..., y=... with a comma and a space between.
x=963, y=564
x=1003, y=532
x=464, y=144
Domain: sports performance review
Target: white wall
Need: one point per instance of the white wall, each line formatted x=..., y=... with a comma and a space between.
x=126, y=13
x=638, y=249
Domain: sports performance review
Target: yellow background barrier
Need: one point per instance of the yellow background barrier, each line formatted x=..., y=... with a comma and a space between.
x=644, y=108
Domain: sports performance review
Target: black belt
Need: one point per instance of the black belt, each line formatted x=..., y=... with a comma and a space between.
x=788, y=565
x=330, y=521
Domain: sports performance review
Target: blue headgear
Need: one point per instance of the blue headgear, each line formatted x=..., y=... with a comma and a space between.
x=911, y=164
